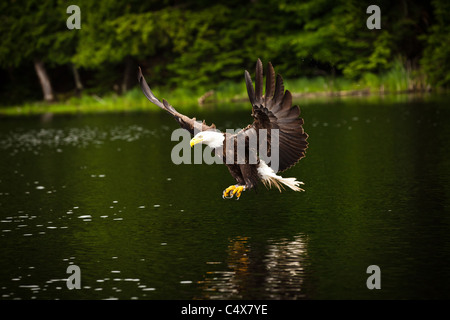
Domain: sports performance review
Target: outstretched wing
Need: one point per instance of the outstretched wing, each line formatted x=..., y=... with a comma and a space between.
x=274, y=110
x=184, y=121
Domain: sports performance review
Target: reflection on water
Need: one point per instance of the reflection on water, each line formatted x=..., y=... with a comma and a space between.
x=280, y=274
x=285, y=263
x=226, y=284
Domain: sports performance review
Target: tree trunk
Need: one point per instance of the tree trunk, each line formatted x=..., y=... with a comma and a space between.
x=128, y=74
x=77, y=79
x=46, y=85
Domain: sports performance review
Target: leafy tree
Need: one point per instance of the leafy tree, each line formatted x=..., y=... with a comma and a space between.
x=200, y=44
x=35, y=31
x=117, y=33
x=436, y=56
x=217, y=41
x=334, y=33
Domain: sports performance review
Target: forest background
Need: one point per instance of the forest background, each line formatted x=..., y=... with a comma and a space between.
x=196, y=51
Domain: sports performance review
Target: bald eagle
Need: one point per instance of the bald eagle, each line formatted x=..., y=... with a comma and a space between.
x=273, y=112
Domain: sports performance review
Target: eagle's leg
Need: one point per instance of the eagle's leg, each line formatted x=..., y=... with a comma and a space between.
x=236, y=189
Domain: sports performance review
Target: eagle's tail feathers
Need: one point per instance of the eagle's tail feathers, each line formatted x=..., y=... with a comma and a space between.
x=269, y=178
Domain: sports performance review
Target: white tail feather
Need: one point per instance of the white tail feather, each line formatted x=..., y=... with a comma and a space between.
x=269, y=178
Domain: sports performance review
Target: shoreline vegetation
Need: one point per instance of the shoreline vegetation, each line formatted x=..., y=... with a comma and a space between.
x=396, y=81
x=194, y=53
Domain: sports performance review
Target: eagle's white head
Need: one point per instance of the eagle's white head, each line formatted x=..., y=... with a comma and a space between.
x=211, y=138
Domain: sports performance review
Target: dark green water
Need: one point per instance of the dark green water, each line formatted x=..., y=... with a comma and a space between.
x=101, y=192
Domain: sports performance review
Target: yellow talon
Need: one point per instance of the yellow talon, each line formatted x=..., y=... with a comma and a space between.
x=227, y=191
x=238, y=192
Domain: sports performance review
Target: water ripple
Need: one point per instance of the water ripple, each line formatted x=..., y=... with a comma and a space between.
x=30, y=140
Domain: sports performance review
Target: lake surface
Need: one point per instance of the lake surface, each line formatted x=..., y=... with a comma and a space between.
x=100, y=192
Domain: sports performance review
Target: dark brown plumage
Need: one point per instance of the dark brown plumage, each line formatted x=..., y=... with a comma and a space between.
x=184, y=121
x=273, y=110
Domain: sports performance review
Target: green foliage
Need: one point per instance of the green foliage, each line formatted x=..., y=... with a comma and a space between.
x=436, y=57
x=217, y=42
x=112, y=31
x=201, y=45
x=34, y=29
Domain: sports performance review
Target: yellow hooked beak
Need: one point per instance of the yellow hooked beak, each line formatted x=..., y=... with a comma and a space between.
x=194, y=141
